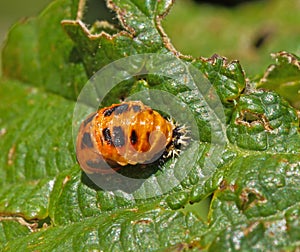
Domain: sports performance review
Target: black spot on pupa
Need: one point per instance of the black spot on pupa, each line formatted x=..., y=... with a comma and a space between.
x=86, y=141
x=118, y=137
x=136, y=108
x=133, y=137
x=109, y=111
x=121, y=109
x=95, y=163
x=88, y=120
x=107, y=135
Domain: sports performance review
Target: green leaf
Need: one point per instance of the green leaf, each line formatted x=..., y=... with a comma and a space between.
x=264, y=121
x=51, y=205
x=38, y=52
x=140, y=34
x=123, y=231
x=257, y=210
x=34, y=148
x=283, y=77
x=227, y=77
x=12, y=228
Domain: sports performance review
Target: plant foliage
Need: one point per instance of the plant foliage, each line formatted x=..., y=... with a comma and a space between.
x=45, y=204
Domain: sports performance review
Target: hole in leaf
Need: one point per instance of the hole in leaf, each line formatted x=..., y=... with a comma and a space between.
x=250, y=197
x=44, y=222
x=97, y=11
x=200, y=209
x=250, y=117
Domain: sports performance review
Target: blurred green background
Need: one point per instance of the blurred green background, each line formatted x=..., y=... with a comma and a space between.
x=248, y=32
x=13, y=10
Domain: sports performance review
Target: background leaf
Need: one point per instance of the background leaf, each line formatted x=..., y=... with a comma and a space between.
x=284, y=77
x=43, y=59
x=249, y=32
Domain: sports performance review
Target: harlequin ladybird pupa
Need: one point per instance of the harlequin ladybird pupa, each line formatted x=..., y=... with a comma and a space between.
x=126, y=133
